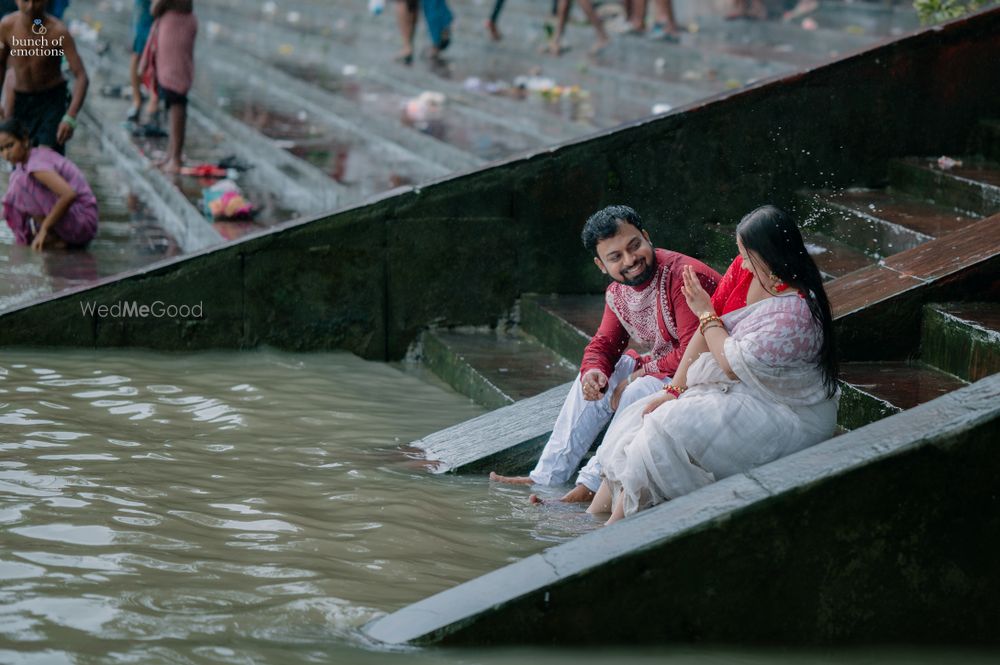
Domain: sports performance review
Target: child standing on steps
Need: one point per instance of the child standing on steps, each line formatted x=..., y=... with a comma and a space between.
x=168, y=63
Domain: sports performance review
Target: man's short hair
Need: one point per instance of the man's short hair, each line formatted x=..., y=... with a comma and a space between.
x=604, y=224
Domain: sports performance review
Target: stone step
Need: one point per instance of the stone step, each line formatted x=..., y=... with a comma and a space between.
x=973, y=187
x=867, y=18
x=833, y=257
x=962, y=338
x=564, y=323
x=986, y=139
x=494, y=368
x=507, y=440
x=877, y=222
x=785, y=37
x=615, y=95
x=874, y=390
x=345, y=40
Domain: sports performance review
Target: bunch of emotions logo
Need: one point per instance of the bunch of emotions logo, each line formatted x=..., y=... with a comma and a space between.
x=38, y=28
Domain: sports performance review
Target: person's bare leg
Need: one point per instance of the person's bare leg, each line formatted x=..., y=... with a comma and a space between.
x=175, y=147
x=738, y=9
x=406, y=19
x=133, y=76
x=562, y=15
x=602, y=37
x=510, y=480
x=637, y=17
x=602, y=500
x=757, y=10
x=665, y=16
x=617, y=512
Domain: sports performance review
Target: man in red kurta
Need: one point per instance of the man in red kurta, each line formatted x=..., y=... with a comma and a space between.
x=644, y=303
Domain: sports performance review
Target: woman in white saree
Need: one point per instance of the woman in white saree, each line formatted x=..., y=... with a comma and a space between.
x=754, y=385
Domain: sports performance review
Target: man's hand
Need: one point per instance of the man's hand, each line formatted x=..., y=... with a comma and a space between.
x=657, y=401
x=64, y=133
x=593, y=383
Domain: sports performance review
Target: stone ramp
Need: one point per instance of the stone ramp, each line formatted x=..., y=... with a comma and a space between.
x=864, y=539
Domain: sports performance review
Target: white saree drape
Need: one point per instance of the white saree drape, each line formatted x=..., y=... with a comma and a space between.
x=721, y=426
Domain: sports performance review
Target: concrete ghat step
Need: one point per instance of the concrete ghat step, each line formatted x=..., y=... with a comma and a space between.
x=771, y=539
x=874, y=390
x=973, y=187
x=962, y=338
x=833, y=257
x=986, y=139
x=507, y=440
x=564, y=323
x=494, y=368
x=877, y=222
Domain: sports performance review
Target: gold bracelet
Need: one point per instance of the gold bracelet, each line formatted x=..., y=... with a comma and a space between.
x=706, y=318
x=712, y=324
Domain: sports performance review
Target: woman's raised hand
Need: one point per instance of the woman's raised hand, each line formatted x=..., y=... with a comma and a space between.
x=697, y=297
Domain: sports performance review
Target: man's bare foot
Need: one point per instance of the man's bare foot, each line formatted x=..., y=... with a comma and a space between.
x=171, y=166
x=578, y=494
x=510, y=480
x=493, y=31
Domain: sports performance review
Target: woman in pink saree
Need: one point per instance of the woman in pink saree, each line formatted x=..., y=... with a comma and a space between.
x=755, y=384
x=48, y=201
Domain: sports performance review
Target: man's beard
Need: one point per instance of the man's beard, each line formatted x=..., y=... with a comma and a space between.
x=646, y=275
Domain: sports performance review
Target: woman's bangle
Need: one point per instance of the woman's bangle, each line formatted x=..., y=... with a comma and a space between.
x=675, y=390
x=712, y=324
x=707, y=318
x=69, y=120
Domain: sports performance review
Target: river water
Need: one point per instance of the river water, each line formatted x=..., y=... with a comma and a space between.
x=254, y=507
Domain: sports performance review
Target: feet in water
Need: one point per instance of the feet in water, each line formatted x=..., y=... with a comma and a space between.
x=404, y=58
x=510, y=480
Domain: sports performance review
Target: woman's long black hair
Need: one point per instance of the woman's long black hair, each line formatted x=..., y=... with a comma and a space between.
x=770, y=232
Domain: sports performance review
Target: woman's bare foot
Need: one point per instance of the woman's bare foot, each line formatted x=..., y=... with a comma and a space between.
x=510, y=480
x=171, y=166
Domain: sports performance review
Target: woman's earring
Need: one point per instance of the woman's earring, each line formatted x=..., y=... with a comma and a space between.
x=779, y=286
